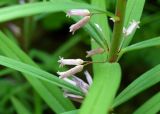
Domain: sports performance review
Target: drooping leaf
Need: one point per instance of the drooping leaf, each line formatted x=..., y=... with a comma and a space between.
x=14, y=12
x=38, y=73
x=56, y=102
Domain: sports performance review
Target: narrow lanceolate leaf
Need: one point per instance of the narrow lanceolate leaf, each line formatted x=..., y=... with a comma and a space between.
x=13, y=12
x=19, y=107
x=71, y=112
x=54, y=98
x=102, y=92
x=133, y=12
x=152, y=106
x=145, y=81
x=144, y=44
x=35, y=72
x=101, y=20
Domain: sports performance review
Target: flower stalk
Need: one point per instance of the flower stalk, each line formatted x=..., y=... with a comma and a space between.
x=117, y=31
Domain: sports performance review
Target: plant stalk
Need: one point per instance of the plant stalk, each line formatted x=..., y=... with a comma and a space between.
x=117, y=31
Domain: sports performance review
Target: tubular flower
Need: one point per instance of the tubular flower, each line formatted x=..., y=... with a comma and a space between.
x=94, y=52
x=133, y=26
x=70, y=61
x=79, y=24
x=79, y=83
x=78, y=12
x=71, y=71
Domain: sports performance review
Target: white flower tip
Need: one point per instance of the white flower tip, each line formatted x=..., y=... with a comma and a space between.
x=112, y=19
x=60, y=61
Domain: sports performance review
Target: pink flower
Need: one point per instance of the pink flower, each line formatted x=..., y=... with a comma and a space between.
x=71, y=71
x=78, y=12
x=79, y=24
x=70, y=61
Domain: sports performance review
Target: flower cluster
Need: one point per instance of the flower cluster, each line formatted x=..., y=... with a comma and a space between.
x=69, y=75
x=79, y=83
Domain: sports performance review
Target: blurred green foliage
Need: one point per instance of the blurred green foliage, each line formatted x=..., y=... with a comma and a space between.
x=49, y=39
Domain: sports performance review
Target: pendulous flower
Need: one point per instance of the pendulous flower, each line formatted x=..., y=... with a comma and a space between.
x=94, y=52
x=78, y=83
x=133, y=26
x=78, y=12
x=63, y=61
x=71, y=71
x=79, y=24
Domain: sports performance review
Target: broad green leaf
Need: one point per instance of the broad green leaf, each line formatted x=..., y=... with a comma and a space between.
x=144, y=81
x=151, y=106
x=20, y=108
x=144, y=44
x=133, y=12
x=56, y=102
x=38, y=73
x=14, y=12
x=103, y=90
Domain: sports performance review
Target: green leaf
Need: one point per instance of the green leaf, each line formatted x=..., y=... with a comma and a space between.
x=133, y=12
x=6, y=2
x=101, y=19
x=103, y=90
x=14, y=12
x=145, y=81
x=56, y=102
x=5, y=71
x=152, y=106
x=17, y=89
x=20, y=108
x=144, y=44
x=38, y=73
x=71, y=112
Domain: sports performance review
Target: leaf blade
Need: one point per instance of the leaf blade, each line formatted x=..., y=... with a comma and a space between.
x=143, y=82
x=104, y=86
x=151, y=106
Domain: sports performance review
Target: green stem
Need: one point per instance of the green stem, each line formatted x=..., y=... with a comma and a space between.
x=117, y=31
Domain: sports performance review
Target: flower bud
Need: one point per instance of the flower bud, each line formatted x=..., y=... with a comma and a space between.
x=73, y=97
x=79, y=24
x=70, y=61
x=133, y=26
x=71, y=71
x=88, y=77
x=78, y=12
x=94, y=52
x=81, y=84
